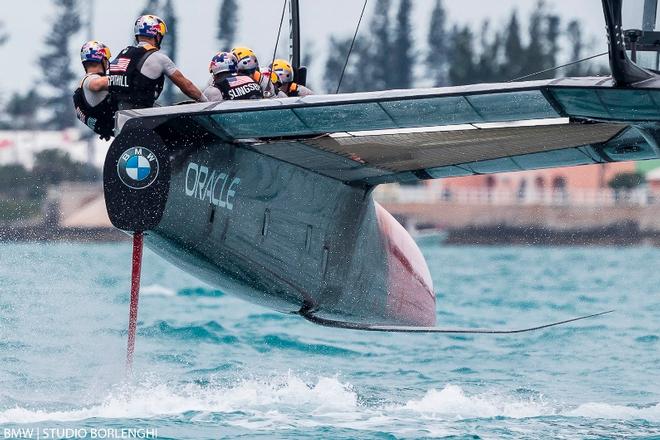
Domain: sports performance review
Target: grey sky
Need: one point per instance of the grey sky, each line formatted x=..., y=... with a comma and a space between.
x=29, y=21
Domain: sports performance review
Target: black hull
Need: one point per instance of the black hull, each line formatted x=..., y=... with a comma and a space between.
x=267, y=231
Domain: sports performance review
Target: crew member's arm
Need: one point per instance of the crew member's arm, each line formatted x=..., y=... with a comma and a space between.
x=98, y=84
x=187, y=87
x=212, y=94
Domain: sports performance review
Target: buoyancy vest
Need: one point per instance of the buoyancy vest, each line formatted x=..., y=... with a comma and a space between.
x=293, y=90
x=127, y=84
x=237, y=86
x=99, y=118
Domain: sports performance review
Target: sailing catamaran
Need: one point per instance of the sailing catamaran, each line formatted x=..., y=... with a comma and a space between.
x=271, y=200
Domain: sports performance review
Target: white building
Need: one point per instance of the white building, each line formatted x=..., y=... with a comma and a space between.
x=21, y=145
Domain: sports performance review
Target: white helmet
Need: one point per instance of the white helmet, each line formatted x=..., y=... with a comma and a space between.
x=223, y=62
x=150, y=26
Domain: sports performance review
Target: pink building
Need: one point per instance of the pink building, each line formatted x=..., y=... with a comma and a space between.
x=586, y=177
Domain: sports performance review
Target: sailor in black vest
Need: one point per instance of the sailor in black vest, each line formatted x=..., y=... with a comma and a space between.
x=228, y=84
x=284, y=80
x=138, y=73
x=91, y=99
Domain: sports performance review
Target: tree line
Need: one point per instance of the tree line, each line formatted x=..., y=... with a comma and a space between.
x=385, y=54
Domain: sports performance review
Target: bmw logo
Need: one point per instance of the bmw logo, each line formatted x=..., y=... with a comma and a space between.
x=137, y=167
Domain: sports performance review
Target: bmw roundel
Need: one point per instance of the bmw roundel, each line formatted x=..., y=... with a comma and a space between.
x=137, y=167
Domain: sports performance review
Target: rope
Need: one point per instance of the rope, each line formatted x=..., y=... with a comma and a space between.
x=558, y=67
x=277, y=42
x=348, y=55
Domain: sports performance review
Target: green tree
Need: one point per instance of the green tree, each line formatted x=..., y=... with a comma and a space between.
x=22, y=110
x=354, y=79
x=401, y=75
x=513, y=49
x=488, y=67
x=574, y=36
x=58, y=76
x=334, y=63
x=380, y=53
x=55, y=166
x=544, y=32
x=15, y=180
x=436, y=59
x=552, y=34
x=4, y=36
x=626, y=181
x=152, y=7
x=462, y=67
x=227, y=24
x=535, y=55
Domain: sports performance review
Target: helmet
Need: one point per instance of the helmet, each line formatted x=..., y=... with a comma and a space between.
x=247, y=60
x=150, y=26
x=94, y=52
x=283, y=70
x=274, y=79
x=223, y=62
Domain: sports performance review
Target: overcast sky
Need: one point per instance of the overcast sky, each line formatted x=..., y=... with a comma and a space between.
x=29, y=21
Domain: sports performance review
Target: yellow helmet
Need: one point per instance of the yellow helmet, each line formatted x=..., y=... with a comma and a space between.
x=247, y=59
x=283, y=70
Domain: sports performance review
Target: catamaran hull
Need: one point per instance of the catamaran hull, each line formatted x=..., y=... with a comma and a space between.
x=270, y=232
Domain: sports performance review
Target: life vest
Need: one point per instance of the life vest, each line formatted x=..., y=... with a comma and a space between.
x=99, y=118
x=236, y=86
x=293, y=90
x=127, y=84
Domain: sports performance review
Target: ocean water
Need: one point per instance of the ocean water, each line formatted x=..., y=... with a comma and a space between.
x=211, y=366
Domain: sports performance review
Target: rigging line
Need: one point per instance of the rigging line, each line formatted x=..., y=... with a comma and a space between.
x=558, y=67
x=348, y=55
x=277, y=42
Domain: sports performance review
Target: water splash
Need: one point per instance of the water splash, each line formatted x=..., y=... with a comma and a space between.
x=157, y=290
x=149, y=400
x=325, y=401
x=453, y=402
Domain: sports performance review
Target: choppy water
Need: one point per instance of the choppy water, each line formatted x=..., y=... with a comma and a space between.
x=211, y=366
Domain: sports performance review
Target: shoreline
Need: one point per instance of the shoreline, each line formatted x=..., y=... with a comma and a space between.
x=57, y=234
x=624, y=234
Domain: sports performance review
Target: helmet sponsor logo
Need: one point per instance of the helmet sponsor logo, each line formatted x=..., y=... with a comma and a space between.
x=137, y=167
x=213, y=186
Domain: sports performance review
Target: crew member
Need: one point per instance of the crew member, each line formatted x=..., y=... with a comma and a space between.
x=228, y=84
x=284, y=83
x=248, y=64
x=93, y=105
x=138, y=73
